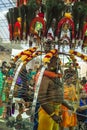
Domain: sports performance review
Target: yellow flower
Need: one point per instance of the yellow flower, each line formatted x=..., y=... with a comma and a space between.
x=23, y=57
x=71, y=51
x=46, y=60
x=79, y=54
x=50, y=54
x=85, y=58
x=53, y=51
x=68, y=15
x=19, y=19
x=27, y=52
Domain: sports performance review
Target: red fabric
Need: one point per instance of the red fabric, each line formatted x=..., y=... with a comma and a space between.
x=41, y=15
x=85, y=87
x=17, y=29
x=17, y=25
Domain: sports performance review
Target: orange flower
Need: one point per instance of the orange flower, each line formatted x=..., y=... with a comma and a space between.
x=25, y=52
x=49, y=55
x=71, y=51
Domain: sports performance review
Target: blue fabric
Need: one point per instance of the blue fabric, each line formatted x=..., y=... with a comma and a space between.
x=82, y=104
x=19, y=81
x=81, y=115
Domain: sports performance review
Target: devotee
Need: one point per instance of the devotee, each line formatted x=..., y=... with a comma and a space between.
x=69, y=119
x=50, y=98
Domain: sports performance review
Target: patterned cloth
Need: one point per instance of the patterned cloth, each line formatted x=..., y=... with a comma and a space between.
x=69, y=118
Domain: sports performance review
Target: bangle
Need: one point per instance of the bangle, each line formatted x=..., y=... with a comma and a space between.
x=52, y=114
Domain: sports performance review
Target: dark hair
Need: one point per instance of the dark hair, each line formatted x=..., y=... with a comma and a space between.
x=83, y=81
x=68, y=73
x=4, y=63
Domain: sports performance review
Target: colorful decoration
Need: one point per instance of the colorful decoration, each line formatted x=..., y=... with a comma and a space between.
x=49, y=55
x=82, y=56
x=38, y=24
x=65, y=25
x=84, y=36
x=26, y=53
x=17, y=28
x=32, y=56
x=72, y=62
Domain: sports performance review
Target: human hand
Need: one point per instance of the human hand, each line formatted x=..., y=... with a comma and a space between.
x=56, y=118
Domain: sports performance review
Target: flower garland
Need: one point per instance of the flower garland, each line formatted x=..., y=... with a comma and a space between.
x=32, y=56
x=49, y=55
x=25, y=54
x=82, y=56
x=75, y=64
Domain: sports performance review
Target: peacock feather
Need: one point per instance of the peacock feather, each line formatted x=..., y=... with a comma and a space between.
x=54, y=10
x=79, y=14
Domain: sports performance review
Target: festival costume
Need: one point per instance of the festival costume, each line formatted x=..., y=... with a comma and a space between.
x=69, y=118
x=44, y=118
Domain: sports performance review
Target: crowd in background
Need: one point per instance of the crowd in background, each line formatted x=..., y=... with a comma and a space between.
x=24, y=89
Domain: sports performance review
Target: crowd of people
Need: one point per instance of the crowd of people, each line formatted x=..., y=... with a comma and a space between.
x=61, y=100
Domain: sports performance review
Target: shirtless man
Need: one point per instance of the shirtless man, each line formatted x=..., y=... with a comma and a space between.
x=50, y=98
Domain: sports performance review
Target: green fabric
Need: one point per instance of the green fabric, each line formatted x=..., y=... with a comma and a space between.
x=1, y=110
x=1, y=82
x=3, y=97
x=30, y=75
x=11, y=72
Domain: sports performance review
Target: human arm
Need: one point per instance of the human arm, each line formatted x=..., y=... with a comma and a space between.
x=80, y=108
x=68, y=105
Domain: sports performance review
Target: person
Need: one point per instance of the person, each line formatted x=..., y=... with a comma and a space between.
x=82, y=108
x=50, y=98
x=51, y=30
x=69, y=118
x=84, y=83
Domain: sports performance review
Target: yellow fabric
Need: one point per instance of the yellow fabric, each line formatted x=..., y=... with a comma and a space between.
x=69, y=118
x=45, y=122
